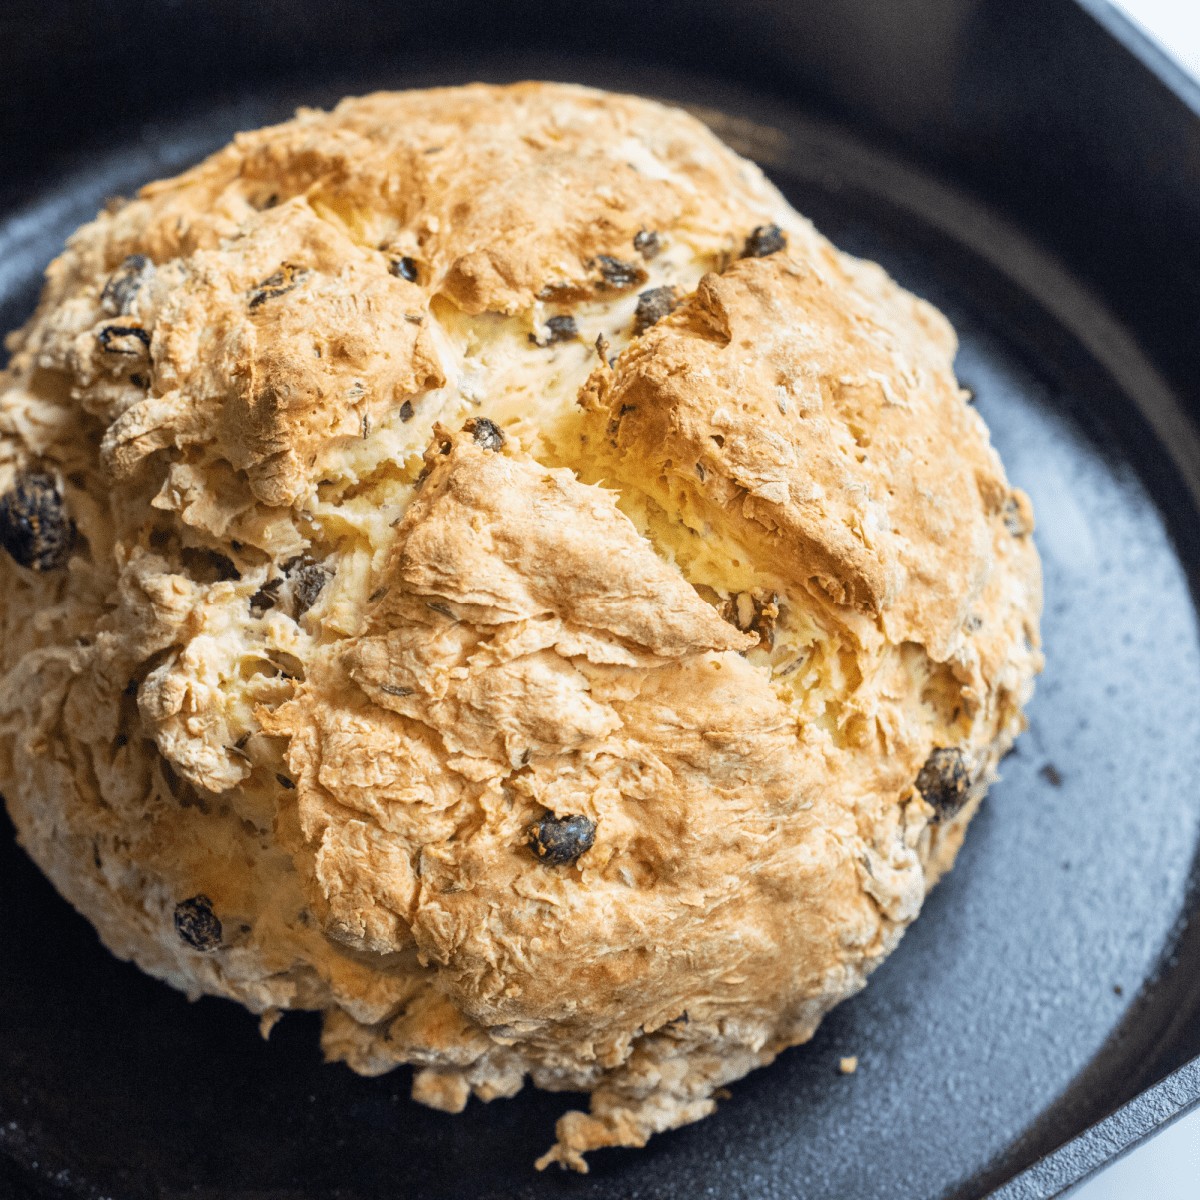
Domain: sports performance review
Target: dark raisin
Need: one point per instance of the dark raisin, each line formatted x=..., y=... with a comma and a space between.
x=225, y=568
x=647, y=243
x=652, y=306
x=122, y=289
x=197, y=924
x=558, y=840
x=486, y=433
x=945, y=782
x=34, y=527
x=405, y=268
x=124, y=339
x=285, y=783
x=266, y=597
x=308, y=579
x=277, y=284
x=561, y=328
x=406, y=411
x=618, y=274
x=764, y=240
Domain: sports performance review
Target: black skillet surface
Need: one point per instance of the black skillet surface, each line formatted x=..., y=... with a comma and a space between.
x=1054, y=974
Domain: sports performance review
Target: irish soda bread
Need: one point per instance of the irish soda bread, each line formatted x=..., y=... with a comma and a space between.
x=482, y=566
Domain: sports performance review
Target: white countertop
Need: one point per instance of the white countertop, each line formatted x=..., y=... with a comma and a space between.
x=1167, y=1167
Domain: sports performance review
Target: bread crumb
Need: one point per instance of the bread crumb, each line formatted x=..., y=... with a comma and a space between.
x=848, y=1065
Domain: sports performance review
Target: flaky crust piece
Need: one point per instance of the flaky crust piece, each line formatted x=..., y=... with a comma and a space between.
x=481, y=566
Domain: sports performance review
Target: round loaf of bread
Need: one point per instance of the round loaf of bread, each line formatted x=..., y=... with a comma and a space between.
x=482, y=566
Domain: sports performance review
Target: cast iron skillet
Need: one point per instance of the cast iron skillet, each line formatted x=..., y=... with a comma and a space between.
x=1036, y=176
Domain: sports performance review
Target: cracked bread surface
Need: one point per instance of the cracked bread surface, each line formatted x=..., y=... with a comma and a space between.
x=498, y=576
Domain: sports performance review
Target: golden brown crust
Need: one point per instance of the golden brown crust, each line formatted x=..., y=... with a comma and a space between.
x=809, y=404
x=379, y=576
x=264, y=382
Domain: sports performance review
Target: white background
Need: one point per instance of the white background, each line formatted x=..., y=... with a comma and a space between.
x=1167, y=1167
x=1176, y=24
